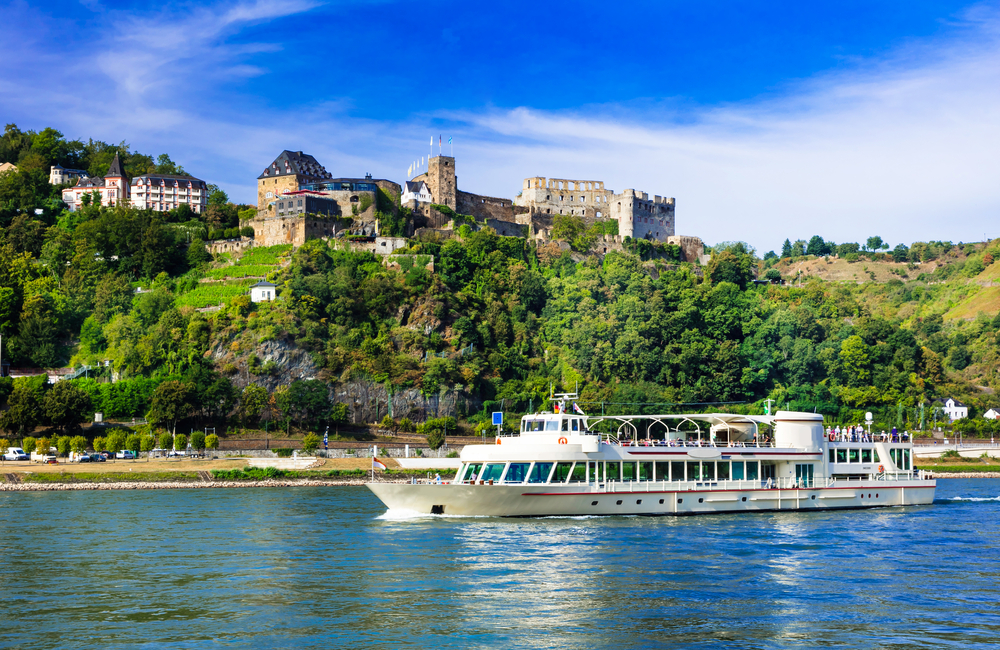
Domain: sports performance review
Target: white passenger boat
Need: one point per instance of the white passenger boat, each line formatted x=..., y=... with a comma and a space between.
x=559, y=464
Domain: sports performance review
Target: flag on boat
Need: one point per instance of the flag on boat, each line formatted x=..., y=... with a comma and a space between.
x=556, y=407
x=377, y=464
x=577, y=409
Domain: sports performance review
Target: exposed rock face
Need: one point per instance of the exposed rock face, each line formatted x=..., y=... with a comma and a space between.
x=366, y=400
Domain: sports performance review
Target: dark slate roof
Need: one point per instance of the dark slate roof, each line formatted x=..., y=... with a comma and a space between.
x=263, y=283
x=957, y=403
x=115, y=171
x=411, y=186
x=295, y=163
x=157, y=179
x=91, y=181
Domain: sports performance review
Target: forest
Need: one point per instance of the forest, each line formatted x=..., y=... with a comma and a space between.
x=500, y=320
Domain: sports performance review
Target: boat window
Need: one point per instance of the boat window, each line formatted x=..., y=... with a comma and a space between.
x=516, y=473
x=841, y=455
x=752, y=470
x=708, y=471
x=493, y=472
x=662, y=471
x=612, y=471
x=767, y=469
x=738, y=474
x=677, y=470
x=908, y=459
x=565, y=425
x=552, y=425
x=866, y=455
x=628, y=471
x=693, y=470
x=562, y=472
x=472, y=471
x=579, y=473
x=833, y=454
x=576, y=425
x=645, y=471
x=722, y=469
x=537, y=425
x=540, y=473
x=853, y=456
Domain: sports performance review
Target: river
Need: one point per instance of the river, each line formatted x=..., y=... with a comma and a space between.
x=325, y=568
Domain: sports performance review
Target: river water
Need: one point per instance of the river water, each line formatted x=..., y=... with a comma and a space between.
x=325, y=568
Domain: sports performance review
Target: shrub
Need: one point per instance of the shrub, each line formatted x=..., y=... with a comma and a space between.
x=452, y=454
x=283, y=453
x=28, y=444
x=212, y=441
x=951, y=453
x=310, y=443
x=78, y=444
x=198, y=440
x=166, y=440
x=132, y=442
x=406, y=425
x=147, y=443
x=180, y=442
x=100, y=444
x=4, y=445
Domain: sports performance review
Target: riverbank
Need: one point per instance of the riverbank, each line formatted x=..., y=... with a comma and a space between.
x=188, y=485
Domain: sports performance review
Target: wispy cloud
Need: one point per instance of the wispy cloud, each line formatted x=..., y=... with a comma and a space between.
x=903, y=145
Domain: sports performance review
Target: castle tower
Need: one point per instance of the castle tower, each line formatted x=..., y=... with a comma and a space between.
x=441, y=180
x=289, y=171
x=116, y=183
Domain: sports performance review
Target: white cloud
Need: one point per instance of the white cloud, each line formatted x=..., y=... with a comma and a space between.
x=903, y=146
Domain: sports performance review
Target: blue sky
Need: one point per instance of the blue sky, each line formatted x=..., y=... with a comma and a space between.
x=765, y=120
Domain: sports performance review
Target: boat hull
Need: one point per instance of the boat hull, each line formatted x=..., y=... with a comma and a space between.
x=582, y=500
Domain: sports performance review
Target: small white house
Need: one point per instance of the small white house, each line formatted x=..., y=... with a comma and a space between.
x=955, y=410
x=418, y=192
x=992, y=414
x=263, y=291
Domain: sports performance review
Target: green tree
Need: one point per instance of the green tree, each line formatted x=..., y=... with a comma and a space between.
x=875, y=243
x=66, y=406
x=133, y=441
x=78, y=444
x=147, y=443
x=166, y=440
x=24, y=411
x=180, y=442
x=115, y=441
x=4, y=445
x=253, y=401
x=310, y=443
x=100, y=444
x=786, y=249
x=198, y=440
x=171, y=403
x=63, y=445
x=212, y=441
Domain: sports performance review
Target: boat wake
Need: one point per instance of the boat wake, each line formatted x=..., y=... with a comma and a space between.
x=952, y=499
x=401, y=514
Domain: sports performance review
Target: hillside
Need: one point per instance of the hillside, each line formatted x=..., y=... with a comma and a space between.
x=496, y=325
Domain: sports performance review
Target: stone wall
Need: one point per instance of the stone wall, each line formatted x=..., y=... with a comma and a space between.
x=487, y=207
x=229, y=245
x=441, y=180
x=508, y=228
x=275, y=187
x=640, y=217
x=692, y=248
x=587, y=199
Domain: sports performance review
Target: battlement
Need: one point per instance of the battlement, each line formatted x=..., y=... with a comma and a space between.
x=563, y=185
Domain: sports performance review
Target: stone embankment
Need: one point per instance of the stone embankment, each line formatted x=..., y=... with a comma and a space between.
x=185, y=485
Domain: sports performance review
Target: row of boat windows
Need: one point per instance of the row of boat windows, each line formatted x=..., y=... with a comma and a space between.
x=900, y=457
x=584, y=472
x=568, y=424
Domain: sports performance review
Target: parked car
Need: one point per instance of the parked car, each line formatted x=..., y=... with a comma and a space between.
x=177, y=454
x=84, y=458
x=125, y=455
x=97, y=458
x=15, y=453
x=105, y=454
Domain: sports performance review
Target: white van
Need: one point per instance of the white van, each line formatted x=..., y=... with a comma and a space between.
x=15, y=453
